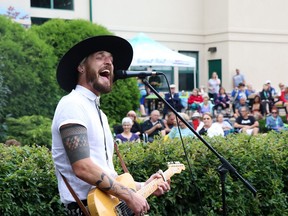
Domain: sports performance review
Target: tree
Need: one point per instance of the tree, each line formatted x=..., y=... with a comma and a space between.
x=4, y=91
x=62, y=35
x=27, y=66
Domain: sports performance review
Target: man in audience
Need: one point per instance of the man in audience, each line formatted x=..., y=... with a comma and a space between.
x=174, y=100
x=242, y=103
x=238, y=78
x=246, y=123
x=154, y=126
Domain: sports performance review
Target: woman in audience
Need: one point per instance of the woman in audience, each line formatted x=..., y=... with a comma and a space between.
x=208, y=127
x=274, y=122
x=136, y=128
x=213, y=85
x=127, y=135
x=226, y=126
x=284, y=100
x=206, y=105
x=257, y=108
x=194, y=100
x=222, y=101
x=184, y=130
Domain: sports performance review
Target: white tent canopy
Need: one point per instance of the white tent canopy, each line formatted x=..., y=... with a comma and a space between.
x=148, y=52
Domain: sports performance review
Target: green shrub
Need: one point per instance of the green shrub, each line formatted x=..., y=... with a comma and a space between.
x=262, y=160
x=29, y=130
x=28, y=185
x=27, y=182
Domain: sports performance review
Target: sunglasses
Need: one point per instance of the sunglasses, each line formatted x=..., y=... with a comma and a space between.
x=274, y=112
x=206, y=118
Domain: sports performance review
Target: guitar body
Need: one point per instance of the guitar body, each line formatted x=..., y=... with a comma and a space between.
x=103, y=204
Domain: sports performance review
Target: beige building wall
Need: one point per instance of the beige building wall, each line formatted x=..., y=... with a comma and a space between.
x=251, y=35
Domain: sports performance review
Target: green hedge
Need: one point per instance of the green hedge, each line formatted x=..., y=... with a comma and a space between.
x=262, y=160
x=28, y=185
x=27, y=182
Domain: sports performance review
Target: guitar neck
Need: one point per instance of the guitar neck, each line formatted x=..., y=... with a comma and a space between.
x=148, y=189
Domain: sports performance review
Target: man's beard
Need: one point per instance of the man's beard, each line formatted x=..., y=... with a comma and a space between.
x=98, y=86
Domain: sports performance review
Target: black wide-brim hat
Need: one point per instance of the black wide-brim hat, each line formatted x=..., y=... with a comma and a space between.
x=121, y=50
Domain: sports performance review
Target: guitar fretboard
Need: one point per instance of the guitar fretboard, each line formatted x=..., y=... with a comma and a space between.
x=153, y=185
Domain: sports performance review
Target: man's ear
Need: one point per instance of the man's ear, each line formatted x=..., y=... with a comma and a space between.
x=81, y=68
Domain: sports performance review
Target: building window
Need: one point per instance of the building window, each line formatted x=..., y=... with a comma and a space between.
x=188, y=77
x=53, y=4
x=38, y=21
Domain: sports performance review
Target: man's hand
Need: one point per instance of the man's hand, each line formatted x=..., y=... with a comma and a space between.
x=162, y=187
x=138, y=204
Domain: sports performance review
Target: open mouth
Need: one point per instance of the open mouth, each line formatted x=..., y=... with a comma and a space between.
x=105, y=73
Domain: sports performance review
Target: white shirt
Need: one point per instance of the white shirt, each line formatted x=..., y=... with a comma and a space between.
x=78, y=107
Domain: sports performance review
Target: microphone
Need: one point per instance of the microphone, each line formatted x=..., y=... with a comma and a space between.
x=123, y=74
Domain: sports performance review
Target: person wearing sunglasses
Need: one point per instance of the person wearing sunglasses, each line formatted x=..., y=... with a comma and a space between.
x=207, y=127
x=246, y=123
x=274, y=121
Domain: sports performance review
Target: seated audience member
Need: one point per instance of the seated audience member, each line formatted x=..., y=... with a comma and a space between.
x=257, y=108
x=207, y=127
x=246, y=123
x=271, y=89
x=127, y=135
x=222, y=101
x=266, y=99
x=154, y=126
x=242, y=103
x=196, y=119
x=136, y=128
x=274, y=121
x=284, y=99
x=226, y=126
x=184, y=130
x=281, y=89
x=174, y=100
x=169, y=122
x=194, y=100
x=206, y=105
x=238, y=93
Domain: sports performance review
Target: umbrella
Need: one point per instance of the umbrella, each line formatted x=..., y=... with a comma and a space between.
x=148, y=52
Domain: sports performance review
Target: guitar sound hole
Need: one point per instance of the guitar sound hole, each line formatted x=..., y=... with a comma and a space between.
x=123, y=210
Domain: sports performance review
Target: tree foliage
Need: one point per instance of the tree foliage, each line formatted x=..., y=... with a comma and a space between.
x=27, y=66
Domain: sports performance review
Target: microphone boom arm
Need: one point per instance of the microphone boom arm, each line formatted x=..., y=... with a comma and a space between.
x=224, y=162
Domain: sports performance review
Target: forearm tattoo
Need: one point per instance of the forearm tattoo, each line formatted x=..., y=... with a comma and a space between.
x=75, y=141
x=112, y=186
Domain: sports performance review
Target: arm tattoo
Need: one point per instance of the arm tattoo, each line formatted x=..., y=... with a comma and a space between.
x=75, y=141
x=116, y=188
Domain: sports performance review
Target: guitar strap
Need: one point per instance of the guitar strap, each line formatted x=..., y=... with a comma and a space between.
x=120, y=158
x=79, y=202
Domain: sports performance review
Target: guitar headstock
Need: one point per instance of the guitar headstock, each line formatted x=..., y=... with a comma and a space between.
x=177, y=167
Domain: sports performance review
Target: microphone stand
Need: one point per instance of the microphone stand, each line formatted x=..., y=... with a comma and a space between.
x=225, y=165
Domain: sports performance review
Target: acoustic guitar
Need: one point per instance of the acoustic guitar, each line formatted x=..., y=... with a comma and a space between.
x=103, y=204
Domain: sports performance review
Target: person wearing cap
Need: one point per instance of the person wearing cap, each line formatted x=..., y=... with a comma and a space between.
x=82, y=143
x=173, y=99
